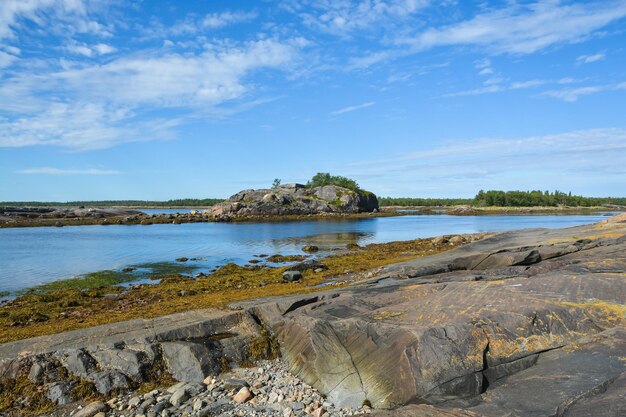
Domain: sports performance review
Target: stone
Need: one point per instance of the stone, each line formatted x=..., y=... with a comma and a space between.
x=310, y=248
x=37, y=372
x=60, y=392
x=242, y=395
x=310, y=264
x=234, y=383
x=107, y=381
x=92, y=409
x=292, y=276
x=318, y=412
x=190, y=362
x=179, y=397
x=130, y=362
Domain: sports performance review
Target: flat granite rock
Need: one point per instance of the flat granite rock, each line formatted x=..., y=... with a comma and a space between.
x=450, y=338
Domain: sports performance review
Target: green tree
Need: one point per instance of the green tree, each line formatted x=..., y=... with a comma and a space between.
x=276, y=183
x=324, y=178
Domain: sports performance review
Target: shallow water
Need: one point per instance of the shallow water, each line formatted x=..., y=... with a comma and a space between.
x=31, y=256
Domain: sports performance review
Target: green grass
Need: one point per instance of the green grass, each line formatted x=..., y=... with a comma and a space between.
x=91, y=280
x=108, y=278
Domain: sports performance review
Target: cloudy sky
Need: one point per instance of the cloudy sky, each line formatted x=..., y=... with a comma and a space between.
x=169, y=99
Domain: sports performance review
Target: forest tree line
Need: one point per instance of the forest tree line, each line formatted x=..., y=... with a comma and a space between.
x=496, y=198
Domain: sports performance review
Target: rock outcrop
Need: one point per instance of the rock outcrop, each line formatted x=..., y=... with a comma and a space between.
x=296, y=199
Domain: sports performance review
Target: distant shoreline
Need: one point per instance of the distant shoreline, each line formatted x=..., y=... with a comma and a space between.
x=198, y=216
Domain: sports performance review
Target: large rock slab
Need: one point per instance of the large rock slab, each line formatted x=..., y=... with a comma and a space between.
x=565, y=381
x=448, y=328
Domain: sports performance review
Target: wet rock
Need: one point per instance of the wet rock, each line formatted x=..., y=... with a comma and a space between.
x=310, y=248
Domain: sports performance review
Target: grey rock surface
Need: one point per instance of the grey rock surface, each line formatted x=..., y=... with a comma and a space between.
x=296, y=199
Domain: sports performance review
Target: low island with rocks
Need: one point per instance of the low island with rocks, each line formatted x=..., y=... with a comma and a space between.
x=320, y=198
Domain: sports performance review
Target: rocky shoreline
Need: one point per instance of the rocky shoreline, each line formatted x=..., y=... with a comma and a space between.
x=32, y=217
x=530, y=322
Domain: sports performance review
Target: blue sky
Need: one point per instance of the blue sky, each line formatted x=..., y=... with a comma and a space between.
x=171, y=99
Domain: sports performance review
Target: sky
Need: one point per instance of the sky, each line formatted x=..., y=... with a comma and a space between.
x=156, y=100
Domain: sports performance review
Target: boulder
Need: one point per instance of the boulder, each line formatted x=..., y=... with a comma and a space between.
x=310, y=264
x=130, y=362
x=292, y=276
x=60, y=392
x=190, y=362
x=77, y=362
x=107, y=381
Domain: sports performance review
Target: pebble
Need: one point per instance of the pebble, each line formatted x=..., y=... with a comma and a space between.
x=267, y=390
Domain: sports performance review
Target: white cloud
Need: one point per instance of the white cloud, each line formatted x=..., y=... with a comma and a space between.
x=62, y=16
x=587, y=59
x=572, y=94
x=95, y=106
x=63, y=171
x=6, y=59
x=495, y=85
x=523, y=29
x=82, y=126
x=81, y=48
x=219, y=20
x=344, y=17
x=103, y=49
x=352, y=108
x=463, y=166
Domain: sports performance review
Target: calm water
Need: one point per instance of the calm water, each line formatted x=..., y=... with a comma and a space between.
x=30, y=256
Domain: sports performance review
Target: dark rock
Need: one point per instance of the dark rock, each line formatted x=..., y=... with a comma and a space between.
x=60, y=392
x=183, y=259
x=310, y=264
x=292, y=276
x=310, y=248
x=77, y=362
x=236, y=384
x=107, y=381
